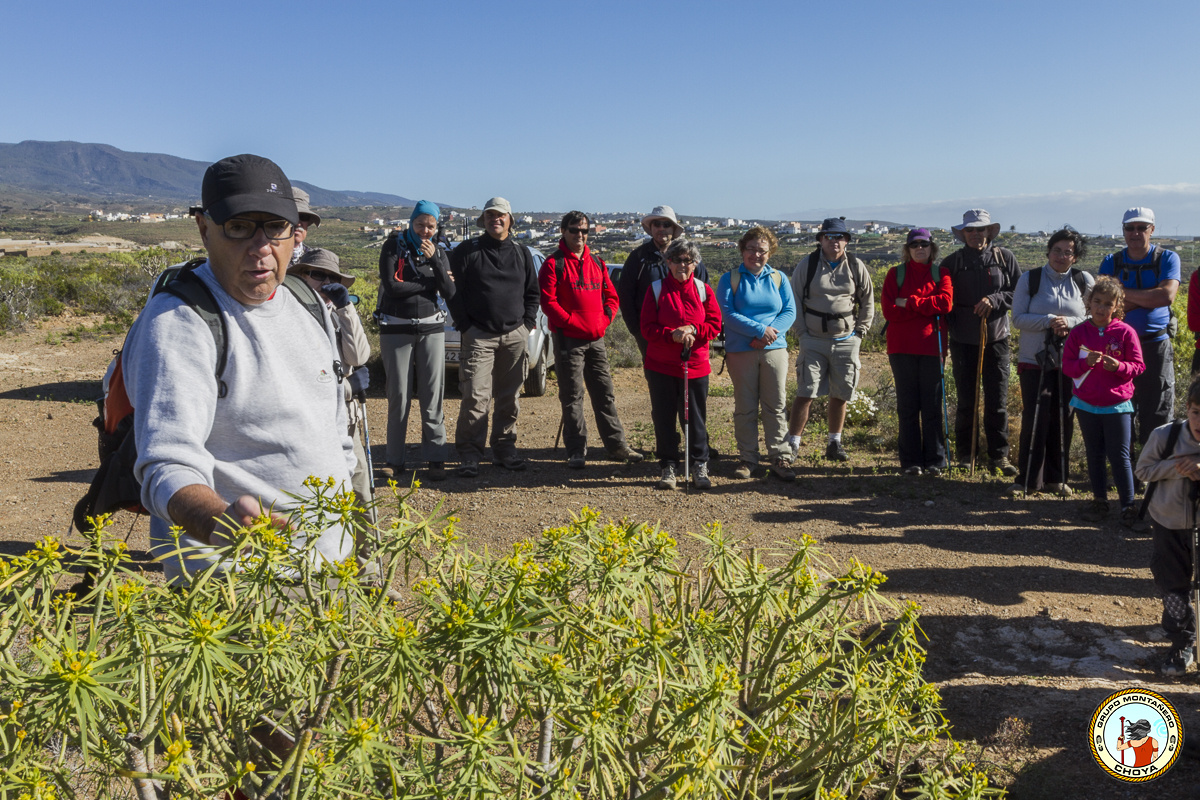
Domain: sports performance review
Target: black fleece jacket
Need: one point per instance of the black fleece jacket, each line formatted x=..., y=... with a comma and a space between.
x=496, y=288
x=408, y=288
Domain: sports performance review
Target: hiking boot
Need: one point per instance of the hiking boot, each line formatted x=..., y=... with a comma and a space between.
x=1005, y=466
x=835, y=452
x=512, y=463
x=392, y=471
x=1129, y=519
x=933, y=472
x=627, y=454
x=782, y=470
x=744, y=470
x=913, y=470
x=700, y=475
x=468, y=469
x=1016, y=488
x=436, y=471
x=1177, y=661
x=793, y=442
x=1060, y=489
x=1095, y=510
x=667, y=481
x=576, y=461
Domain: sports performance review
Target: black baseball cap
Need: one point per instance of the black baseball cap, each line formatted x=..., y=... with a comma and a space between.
x=244, y=184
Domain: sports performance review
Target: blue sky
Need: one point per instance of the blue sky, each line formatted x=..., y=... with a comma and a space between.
x=1044, y=112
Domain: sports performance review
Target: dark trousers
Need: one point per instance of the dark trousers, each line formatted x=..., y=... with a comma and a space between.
x=1171, y=566
x=995, y=396
x=1154, y=389
x=580, y=364
x=1108, y=436
x=1196, y=361
x=918, y=382
x=666, y=406
x=1045, y=441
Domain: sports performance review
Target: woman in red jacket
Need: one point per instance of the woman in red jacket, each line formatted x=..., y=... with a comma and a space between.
x=680, y=316
x=916, y=345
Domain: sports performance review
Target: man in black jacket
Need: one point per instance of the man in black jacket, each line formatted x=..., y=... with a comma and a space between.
x=984, y=276
x=494, y=307
x=645, y=265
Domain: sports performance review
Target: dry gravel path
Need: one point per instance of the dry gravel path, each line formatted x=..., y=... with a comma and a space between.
x=1030, y=612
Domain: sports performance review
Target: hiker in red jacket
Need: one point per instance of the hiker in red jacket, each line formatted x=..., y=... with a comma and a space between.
x=579, y=300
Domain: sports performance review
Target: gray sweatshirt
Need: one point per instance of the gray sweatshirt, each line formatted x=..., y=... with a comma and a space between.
x=1171, y=505
x=1057, y=296
x=282, y=420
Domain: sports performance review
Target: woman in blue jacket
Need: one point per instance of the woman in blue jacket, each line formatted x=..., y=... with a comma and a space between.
x=758, y=308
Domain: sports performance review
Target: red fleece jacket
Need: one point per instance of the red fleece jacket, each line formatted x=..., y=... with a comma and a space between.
x=911, y=329
x=578, y=296
x=679, y=304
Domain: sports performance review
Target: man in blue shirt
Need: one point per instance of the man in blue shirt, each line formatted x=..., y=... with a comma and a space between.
x=1150, y=275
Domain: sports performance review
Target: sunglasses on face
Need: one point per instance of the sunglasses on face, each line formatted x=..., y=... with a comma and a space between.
x=662, y=223
x=1136, y=228
x=919, y=246
x=683, y=262
x=240, y=228
x=322, y=276
x=834, y=237
x=578, y=231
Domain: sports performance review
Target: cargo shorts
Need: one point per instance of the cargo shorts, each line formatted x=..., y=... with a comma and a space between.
x=827, y=367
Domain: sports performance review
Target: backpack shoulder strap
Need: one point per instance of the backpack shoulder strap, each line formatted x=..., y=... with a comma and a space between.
x=735, y=278
x=814, y=260
x=900, y=269
x=307, y=297
x=656, y=287
x=1080, y=281
x=777, y=279
x=181, y=281
x=1035, y=280
x=701, y=288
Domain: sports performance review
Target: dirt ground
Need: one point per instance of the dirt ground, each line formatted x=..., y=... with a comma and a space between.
x=1030, y=612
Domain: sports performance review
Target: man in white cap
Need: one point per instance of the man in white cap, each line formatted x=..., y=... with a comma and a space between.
x=646, y=265
x=984, y=276
x=1150, y=275
x=494, y=307
x=307, y=219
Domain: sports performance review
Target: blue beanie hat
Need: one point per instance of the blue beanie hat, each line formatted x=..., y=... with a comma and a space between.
x=425, y=207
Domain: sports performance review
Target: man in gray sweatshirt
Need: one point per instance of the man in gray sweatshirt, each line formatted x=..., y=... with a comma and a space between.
x=214, y=452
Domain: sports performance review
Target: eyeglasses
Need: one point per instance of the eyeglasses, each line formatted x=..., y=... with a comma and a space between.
x=919, y=245
x=323, y=276
x=1058, y=251
x=241, y=228
x=833, y=237
x=579, y=231
x=683, y=262
x=662, y=223
x=756, y=252
x=1136, y=228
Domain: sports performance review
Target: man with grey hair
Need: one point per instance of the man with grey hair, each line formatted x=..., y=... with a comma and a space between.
x=984, y=276
x=307, y=219
x=835, y=307
x=495, y=307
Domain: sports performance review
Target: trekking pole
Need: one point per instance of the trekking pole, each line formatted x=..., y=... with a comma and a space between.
x=1064, y=418
x=687, y=456
x=1037, y=408
x=361, y=399
x=562, y=421
x=978, y=391
x=1121, y=739
x=1194, y=496
x=937, y=321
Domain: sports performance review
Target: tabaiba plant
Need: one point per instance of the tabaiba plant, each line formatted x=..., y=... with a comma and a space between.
x=587, y=662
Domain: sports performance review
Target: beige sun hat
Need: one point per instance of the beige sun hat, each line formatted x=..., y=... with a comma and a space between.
x=661, y=212
x=303, y=207
x=322, y=259
x=976, y=218
x=496, y=204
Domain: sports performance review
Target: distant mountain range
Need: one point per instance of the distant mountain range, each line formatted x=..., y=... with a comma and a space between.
x=76, y=172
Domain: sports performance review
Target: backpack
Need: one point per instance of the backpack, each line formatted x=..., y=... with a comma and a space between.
x=1121, y=272
x=701, y=289
x=934, y=269
x=1168, y=449
x=735, y=279
x=814, y=260
x=114, y=486
x=1035, y=281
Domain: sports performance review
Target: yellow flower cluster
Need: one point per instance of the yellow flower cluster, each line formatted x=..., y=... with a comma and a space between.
x=204, y=629
x=362, y=730
x=74, y=666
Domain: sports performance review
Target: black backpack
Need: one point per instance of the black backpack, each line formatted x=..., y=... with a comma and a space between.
x=114, y=486
x=814, y=260
x=1122, y=271
x=1168, y=449
x=1035, y=281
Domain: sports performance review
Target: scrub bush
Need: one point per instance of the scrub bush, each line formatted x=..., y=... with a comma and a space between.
x=587, y=661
